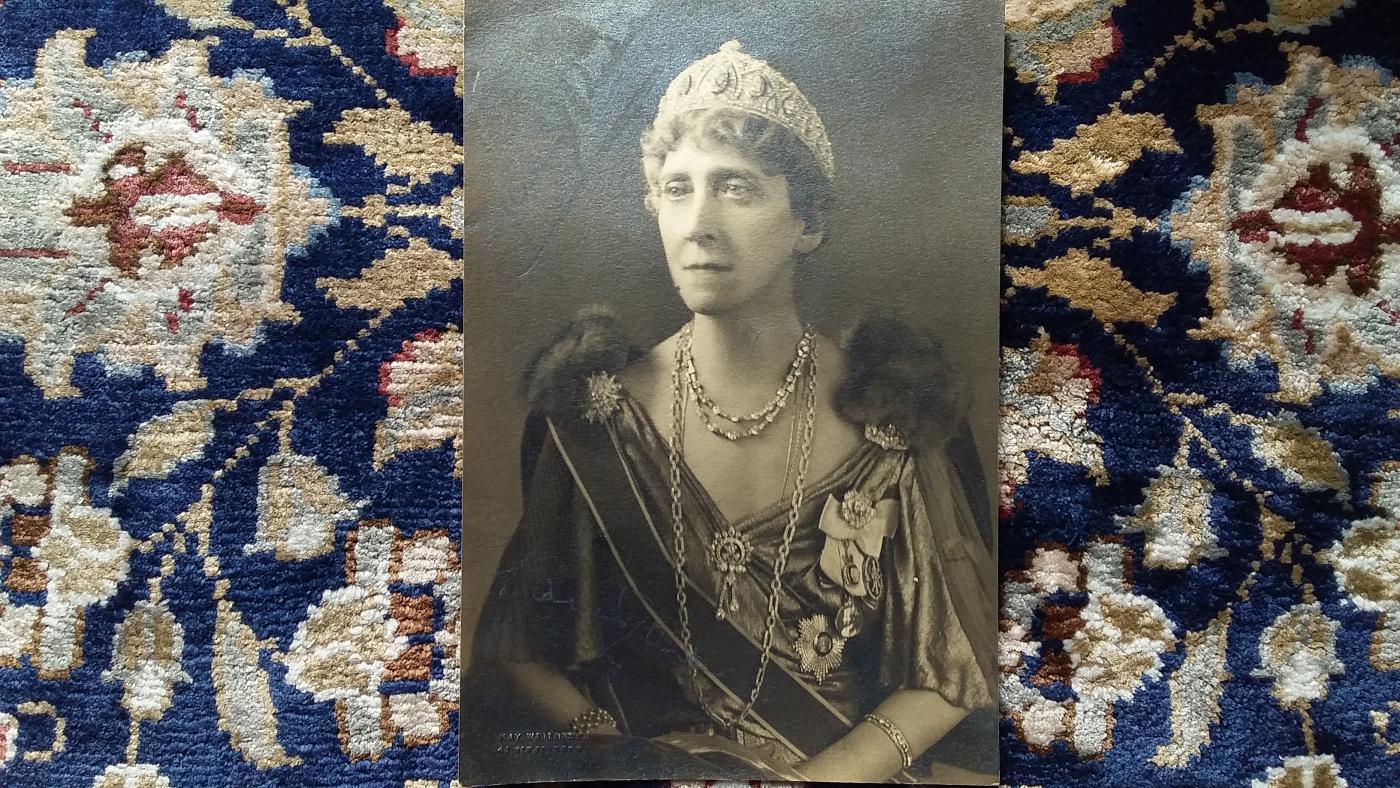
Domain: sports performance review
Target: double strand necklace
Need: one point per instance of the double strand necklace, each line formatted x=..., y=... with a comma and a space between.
x=755, y=423
x=729, y=551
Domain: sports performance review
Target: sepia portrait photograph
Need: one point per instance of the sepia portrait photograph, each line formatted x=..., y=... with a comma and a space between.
x=731, y=311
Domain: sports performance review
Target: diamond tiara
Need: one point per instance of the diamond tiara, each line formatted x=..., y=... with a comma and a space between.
x=734, y=79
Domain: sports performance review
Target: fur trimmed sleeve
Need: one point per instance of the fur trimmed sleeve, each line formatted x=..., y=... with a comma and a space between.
x=555, y=382
x=939, y=630
x=898, y=376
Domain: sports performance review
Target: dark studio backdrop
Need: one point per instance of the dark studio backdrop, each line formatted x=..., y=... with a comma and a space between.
x=558, y=94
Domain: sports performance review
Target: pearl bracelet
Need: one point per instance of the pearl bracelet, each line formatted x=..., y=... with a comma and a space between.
x=905, y=755
x=595, y=717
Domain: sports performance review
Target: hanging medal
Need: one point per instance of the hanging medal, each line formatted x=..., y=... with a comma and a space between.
x=850, y=568
x=874, y=579
x=856, y=527
x=848, y=619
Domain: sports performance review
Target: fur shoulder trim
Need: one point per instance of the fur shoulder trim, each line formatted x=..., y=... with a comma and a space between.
x=897, y=375
x=556, y=379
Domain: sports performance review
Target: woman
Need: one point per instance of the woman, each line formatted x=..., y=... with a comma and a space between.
x=667, y=583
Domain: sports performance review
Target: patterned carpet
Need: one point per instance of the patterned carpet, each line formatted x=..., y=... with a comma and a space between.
x=230, y=409
x=230, y=432
x=1201, y=421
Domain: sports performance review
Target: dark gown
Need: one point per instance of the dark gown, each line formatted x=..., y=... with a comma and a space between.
x=560, y=599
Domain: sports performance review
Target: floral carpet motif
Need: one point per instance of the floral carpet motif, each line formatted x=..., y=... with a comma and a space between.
x=230, y=430
x=1200, y=405
x=230, y=408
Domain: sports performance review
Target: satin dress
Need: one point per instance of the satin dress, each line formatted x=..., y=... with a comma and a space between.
x=852, y=636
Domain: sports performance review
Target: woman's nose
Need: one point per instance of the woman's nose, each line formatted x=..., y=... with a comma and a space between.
x=704, y=217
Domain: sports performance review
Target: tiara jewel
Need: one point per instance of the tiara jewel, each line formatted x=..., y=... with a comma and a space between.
x=734, y=79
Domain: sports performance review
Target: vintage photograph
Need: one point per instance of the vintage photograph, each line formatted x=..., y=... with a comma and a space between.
x=731, y=391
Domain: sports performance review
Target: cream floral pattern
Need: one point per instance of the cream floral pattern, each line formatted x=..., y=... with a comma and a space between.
x=218, y=221
x=147, y=657
x=146, y=209
x=382, y=627
x=1366, y=561
x=1053, y=42
x=1299, y=225
x=1299, y=652
x=60, y=549
x=1046, y=391
x=1104, y=648
x=422, y=386
x=427, y=37
x=132, y=775
x=9, y=733
x=1304, y=771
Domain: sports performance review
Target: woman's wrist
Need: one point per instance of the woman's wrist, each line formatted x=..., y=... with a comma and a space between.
x=593, y=720
x=874, y=750
x=895, y=735
x=831, y=767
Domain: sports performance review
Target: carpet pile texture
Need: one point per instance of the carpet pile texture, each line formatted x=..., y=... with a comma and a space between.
x=1200, y=413
x=230, y=409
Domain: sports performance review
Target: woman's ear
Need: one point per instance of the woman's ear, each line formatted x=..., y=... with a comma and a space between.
x=813, y=231
x=809, y=240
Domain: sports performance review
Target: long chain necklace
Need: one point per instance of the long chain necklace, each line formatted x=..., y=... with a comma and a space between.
x=754, y=423
x=678, y=402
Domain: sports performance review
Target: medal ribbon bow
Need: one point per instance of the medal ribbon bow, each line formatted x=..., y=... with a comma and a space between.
x=856, y=522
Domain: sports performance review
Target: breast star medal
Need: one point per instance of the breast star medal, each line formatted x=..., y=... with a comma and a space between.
x=729, y=555
x=818, y=647
x=603, y=399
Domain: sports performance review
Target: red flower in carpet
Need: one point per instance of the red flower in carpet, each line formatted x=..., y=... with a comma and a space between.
x=422, y=384
x=1318, y=207
x=9, y=726
x=427, y=37
x=1056, y=43
x=167, y=209
x=1299, y=225
x=1046, y=391
x=147, y=209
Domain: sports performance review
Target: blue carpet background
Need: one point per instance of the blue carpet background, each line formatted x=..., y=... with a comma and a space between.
x=1200, y=414
x=304, y=441
x=1199, y=408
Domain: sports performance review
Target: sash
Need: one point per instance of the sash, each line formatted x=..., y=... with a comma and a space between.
x=787, y=707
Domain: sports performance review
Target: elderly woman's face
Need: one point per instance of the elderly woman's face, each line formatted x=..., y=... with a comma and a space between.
x=729, y=231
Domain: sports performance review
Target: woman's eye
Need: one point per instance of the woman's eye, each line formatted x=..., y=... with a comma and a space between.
x=674, y=190
x=737, y=189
